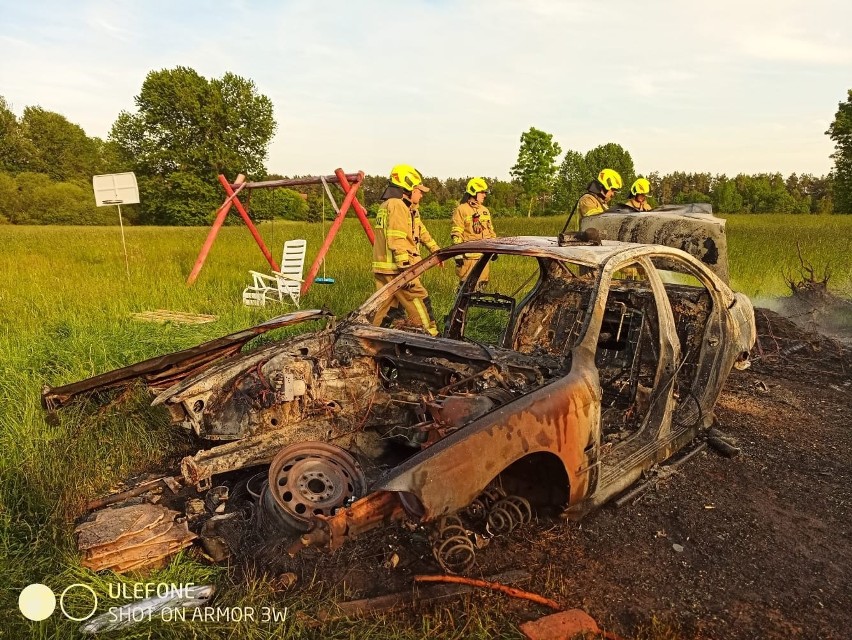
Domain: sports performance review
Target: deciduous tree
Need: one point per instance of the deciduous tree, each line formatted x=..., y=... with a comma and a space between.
x=725, y=197
x=284, y=204
x=571, y=181
x=840, y=132
x=59, y=148
x=14, y=150
x=536, y=165
x=612, y=156
x=198, y=128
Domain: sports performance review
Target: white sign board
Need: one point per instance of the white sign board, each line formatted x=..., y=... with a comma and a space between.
x=115, y=188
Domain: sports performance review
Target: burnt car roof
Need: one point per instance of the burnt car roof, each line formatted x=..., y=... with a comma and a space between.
x=692, y=228
x=548, y=247
x=593, y=255
x=695, y=231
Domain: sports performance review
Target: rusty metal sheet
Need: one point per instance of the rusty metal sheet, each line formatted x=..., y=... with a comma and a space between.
x=131, y=537
x=369, y=333
x=370, y=512
x=162, y=372
x=560, y=418
x=246, y=452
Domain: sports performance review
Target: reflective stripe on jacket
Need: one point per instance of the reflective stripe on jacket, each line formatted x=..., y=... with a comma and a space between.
x=399, y=233
x=591, y=204
x=634, y=204
x=472, y=221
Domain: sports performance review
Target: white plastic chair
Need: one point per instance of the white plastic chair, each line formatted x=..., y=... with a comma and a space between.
x=283, y=284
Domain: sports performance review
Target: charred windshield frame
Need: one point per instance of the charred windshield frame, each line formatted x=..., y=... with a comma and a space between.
x=549, y=268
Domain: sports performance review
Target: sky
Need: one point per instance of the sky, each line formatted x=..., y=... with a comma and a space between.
x=724, y=86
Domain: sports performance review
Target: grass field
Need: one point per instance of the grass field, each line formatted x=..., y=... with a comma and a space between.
x=65, y=305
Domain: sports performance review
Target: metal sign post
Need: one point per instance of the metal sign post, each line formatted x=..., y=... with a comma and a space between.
x=117, y=189
x=123, y=243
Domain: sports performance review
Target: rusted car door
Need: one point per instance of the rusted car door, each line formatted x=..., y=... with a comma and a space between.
x=646, y=416
x=707, y=331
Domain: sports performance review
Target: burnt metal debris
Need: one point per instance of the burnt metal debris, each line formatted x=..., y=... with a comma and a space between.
x=132, y=537
x=610, y=362
x=689, y=227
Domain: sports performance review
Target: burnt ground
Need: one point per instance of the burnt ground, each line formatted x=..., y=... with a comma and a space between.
x=763, y=539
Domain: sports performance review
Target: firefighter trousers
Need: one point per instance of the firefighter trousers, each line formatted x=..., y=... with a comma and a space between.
x=414, y=299
x=463, y=269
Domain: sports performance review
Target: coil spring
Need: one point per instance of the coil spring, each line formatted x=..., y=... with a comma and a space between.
x=478, y=509
x=452, y=547
x=507, y=514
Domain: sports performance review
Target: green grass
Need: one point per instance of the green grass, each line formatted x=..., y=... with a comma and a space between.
x=762, y=248
x=65, y=305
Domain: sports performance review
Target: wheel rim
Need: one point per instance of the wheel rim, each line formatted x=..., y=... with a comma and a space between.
x=312, y=479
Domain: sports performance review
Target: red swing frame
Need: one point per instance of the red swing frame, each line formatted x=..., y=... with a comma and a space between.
x=349, y=184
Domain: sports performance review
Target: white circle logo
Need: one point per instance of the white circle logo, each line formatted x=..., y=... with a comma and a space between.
x=94, y=602
x=37, y=602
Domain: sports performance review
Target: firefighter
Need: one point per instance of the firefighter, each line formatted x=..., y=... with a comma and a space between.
x=640, y=190
x=472, y=221
x=399, y=234
x=598, y=195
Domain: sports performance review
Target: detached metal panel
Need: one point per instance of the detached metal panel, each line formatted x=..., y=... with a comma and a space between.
x=692, y=228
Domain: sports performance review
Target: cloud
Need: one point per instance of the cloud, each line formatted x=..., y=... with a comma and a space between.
x=101, y=24
x=796, y=47
x=661, y=82
x=449, y=85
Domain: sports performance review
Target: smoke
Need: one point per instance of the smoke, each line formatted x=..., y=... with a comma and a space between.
x=815, y=310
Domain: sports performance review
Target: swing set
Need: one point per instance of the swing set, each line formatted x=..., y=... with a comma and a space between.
x=348, y=183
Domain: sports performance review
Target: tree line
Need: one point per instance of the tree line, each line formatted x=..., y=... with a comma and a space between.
x=187, y=129
x=555, y=188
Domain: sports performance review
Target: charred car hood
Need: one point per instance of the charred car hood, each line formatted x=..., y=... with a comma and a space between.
x=163, y=372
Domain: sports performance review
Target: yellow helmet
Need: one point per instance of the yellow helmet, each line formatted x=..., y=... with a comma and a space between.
x=406, y=177
x=475, y=185
x=640, y=187
x=610, y=179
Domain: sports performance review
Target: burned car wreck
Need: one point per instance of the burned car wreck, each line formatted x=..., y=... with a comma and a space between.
x=606, y=360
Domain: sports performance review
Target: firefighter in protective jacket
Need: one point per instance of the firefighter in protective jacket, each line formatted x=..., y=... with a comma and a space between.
x=640, y=190
x=596, y=200
x=472, y=221
x=599, y=193
x=399, y=234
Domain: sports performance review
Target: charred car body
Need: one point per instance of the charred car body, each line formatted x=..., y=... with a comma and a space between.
x=607, y=360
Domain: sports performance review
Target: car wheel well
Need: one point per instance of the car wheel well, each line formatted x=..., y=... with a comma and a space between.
x=539, y=477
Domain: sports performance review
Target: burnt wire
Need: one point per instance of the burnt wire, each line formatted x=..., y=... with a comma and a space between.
x=690, y=394
x=671, y=381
